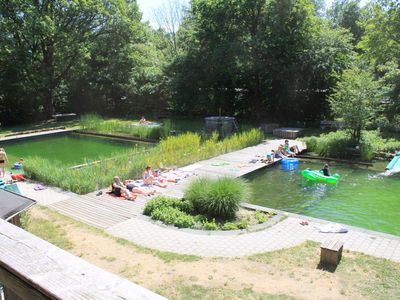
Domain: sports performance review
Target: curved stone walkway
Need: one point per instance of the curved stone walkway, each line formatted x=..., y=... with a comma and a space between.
x=286, y=233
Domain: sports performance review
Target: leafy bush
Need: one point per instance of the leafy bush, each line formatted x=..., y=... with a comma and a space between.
x=230, y=226
x=260, y=216
x=217, y=198
x=210, y=225
x=172, y=216
x=334, y=144
x=161, y=202
x=200, y=219
x=242, y=224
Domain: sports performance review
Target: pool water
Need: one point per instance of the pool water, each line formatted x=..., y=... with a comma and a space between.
x=70, y=149
x=360, y=198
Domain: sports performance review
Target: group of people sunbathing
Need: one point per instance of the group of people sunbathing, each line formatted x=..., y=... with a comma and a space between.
x=283, y=151
x=130, y=189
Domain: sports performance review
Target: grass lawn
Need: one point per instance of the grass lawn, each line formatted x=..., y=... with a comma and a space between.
x=285, y=274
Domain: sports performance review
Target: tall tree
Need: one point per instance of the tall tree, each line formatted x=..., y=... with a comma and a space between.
x=242, y=55
x=347, y=14
x=355, y=100
x=52, y=37
x=168, y=17
x=381, y=48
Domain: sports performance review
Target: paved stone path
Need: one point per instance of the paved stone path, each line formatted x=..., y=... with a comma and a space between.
x=286, y=233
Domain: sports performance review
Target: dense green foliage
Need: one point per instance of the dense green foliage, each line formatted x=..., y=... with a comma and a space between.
x=81, y=55
x=355, y=100
x=172, y=216
x=172, y=151
x=161, y=201
x=277, y=58
x=337, y=144
x=218, y=198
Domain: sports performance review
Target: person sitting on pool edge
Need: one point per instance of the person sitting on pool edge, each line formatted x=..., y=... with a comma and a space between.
x=280, y=153
x=326, y=171
x=119, y=189
x=291, y=151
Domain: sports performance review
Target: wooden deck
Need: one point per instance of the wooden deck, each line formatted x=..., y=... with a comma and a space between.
x=99, y=211
x=31, y=268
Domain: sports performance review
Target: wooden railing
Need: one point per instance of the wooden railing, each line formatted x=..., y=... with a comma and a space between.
x=31, y=268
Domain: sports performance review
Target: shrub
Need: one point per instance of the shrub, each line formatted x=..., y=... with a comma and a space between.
x=172, y=216
x=242, y=224
x=161, y=202
x=210, y=225
x=229, y=226
x=226, y=195
x=260, y=216
x=334, y=144
x=200, y=219
x=219, y=198
x=197, y=194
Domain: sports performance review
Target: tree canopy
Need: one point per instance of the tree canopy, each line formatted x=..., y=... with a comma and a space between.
x=279, y=59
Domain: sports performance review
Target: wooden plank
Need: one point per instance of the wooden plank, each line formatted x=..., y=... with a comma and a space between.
x=15, y=286
x=56, y=273
x=96, y=222
x=82, y=207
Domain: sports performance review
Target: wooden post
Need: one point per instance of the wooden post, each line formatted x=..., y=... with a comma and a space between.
x=331, y=252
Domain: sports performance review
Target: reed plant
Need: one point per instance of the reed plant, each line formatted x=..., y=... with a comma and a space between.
x=171, y=151
x=219, y=199
x=94, y=122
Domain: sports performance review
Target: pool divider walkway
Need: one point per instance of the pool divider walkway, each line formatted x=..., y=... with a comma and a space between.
x=124, y=219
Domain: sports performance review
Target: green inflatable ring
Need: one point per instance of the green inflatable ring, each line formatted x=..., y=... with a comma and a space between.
x=313, y=175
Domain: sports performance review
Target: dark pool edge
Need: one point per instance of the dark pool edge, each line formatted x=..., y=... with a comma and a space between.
x=350, y=227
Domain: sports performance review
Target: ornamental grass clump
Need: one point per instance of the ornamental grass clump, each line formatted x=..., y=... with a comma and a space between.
x=219, y=199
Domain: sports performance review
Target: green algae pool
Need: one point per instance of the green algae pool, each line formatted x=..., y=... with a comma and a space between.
x=70, y=149
x=361, y=198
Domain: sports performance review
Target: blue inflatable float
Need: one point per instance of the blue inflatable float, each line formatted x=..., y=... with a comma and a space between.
x=289, y=164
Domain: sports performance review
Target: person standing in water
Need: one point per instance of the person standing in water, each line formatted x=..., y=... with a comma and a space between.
x=326, y=170
x=3, y=161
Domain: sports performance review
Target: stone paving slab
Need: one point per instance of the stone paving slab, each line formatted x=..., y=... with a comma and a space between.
x=47, y=196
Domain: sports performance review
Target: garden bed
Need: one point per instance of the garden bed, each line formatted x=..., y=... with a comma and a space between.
x=179, y=213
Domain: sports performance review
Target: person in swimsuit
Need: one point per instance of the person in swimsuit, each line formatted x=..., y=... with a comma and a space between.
x=3, y=161
x=134, y=188
x=149, y=179
x=119, y=189
x=326, y=171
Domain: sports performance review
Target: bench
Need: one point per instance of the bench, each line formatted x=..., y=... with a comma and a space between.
x=287, y=133
x=331, y=253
